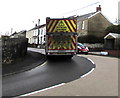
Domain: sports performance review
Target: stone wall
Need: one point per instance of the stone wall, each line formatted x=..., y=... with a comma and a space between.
x=13, y=48
x=97, y=25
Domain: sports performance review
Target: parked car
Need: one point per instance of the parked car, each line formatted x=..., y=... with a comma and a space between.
x=82, y=49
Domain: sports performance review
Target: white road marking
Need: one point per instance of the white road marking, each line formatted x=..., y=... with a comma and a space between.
x=42, y=90
x=90, y=60
x=43, y=63
x=58, y=84
x=38, y=66
x=37, y=50
x=88, y=73
x=90, y=70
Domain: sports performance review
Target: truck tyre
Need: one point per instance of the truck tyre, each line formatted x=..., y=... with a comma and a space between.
x=70, y=56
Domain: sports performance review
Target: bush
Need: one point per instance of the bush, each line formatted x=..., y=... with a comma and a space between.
x=90, y=39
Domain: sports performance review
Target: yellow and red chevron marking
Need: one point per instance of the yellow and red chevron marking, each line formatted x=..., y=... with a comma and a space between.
x=61, y=25
x=66, y=45
x=72, y=43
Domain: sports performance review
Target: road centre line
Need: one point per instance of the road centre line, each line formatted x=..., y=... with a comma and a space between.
x=42, y=90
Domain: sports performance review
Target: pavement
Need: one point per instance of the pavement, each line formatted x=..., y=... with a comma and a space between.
x=105, y=53
x=30, y=61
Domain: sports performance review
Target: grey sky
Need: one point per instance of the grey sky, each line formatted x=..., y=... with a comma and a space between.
x=19, y=14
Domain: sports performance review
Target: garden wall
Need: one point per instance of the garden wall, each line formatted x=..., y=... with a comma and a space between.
x=13, y=48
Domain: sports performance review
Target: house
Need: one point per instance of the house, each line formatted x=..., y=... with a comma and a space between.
x=21, y=34
x=14, y=35
x=112, y=41
x=92, y=24
x=36, y=35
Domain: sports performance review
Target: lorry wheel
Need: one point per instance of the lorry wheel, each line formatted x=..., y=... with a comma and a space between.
x=70, y=56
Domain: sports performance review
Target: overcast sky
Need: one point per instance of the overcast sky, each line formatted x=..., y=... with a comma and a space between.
x=23, y=14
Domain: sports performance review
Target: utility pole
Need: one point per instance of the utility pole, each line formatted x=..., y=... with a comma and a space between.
x=38, y=31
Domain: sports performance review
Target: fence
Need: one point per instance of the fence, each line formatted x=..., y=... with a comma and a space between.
x=13, y=48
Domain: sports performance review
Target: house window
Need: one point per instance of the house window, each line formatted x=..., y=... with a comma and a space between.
x=30, y=40
x=41, y=32
x=83, y=25
x=44, y=37
x=77, y=26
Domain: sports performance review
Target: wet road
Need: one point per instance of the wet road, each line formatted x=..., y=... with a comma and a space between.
x=49, y=74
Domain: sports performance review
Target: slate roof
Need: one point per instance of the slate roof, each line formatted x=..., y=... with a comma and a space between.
x=85, y=16
x=13, y=34
x=21, y=32
x=38, y=27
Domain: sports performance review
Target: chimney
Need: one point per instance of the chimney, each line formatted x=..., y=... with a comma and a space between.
x=35, y=25
x=98, y=8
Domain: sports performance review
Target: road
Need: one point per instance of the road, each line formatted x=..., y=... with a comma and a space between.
x=49, y=74
x=103, y=81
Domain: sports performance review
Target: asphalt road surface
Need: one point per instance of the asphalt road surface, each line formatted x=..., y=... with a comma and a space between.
x=49, y=74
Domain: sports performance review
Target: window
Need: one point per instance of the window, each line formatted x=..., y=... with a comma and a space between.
x=41, y=32
x=83, y=25
x=77, y=26
x=34, y=33
x=44, y=37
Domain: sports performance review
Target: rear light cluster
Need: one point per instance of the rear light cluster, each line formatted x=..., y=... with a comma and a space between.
x=53, y=53
x=50, y=53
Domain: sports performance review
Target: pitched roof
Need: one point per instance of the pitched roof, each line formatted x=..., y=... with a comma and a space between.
x=89, y=15
x=112, y=35
x=86, y=16
x=21, y=32
x=37, y=27
x=13, y=34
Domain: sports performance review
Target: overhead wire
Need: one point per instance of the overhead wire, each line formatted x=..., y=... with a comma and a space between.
x=80, y=8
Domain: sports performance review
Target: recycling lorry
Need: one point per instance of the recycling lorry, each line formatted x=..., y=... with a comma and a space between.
x=61, y=37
